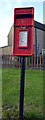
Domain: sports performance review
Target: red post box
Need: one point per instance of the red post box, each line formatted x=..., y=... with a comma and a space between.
x=23, y=31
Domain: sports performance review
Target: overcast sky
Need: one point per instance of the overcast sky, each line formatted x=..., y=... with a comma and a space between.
x=7, y=15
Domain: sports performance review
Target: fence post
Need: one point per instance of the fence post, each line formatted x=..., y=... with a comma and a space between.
x=0, y=61
x=29, y=61
x=6, y=60
x=14, y=61
x=37, y=61
x=40, y=61
x=3, y=60
x=11, y=60
x=26, y=62
x=34, y=61
x=19, y=62
x=43, y=62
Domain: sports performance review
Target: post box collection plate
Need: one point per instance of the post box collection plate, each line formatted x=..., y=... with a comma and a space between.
x=23, y=31
x=23, y=38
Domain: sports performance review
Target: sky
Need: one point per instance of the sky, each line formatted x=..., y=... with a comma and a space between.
x=7, y=15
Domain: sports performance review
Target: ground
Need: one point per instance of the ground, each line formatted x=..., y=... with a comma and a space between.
x=33, y=94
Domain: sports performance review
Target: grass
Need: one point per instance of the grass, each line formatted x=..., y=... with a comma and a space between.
x=33, y=93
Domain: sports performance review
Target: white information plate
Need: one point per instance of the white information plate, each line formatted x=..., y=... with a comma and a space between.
x=22, y=38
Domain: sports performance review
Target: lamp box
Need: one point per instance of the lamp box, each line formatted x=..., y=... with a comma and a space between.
x=23, y=31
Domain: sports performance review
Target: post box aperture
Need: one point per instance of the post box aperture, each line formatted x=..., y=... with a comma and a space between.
x=23, y=31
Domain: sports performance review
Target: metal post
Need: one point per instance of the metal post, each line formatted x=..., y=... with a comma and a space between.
x=22, y=87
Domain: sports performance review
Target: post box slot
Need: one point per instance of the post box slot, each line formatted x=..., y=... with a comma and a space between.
x=16, y=25
x=24, y=16
x=23, y=27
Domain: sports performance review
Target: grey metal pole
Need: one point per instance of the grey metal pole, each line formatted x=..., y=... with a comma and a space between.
x=22, y=87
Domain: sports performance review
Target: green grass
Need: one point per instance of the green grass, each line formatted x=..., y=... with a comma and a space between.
x=33, y=93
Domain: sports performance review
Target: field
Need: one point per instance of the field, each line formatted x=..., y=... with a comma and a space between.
x=33, y=94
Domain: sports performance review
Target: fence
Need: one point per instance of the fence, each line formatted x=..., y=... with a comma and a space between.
x=34, y=62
